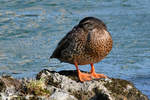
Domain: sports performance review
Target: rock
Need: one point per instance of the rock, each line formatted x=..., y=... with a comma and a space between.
x=57, y=95
x=64, y=85
x=9, y=87
x=101, y=89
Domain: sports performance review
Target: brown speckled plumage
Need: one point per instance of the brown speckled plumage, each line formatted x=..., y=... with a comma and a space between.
x=88, y=42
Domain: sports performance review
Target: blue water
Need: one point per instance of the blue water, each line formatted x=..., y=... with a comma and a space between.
x=31, y=29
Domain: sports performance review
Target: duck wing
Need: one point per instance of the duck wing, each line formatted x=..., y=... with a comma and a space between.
x=64, y=44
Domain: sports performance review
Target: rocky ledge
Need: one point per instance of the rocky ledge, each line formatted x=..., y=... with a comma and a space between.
x=64, y=85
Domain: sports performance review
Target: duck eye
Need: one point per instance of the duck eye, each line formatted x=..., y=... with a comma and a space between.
x=88, y=26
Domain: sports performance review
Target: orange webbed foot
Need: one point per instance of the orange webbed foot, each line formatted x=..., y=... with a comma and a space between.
x=95, y=75
x=84, y=76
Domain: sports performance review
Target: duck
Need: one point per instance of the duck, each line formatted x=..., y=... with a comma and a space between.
x=87, y=43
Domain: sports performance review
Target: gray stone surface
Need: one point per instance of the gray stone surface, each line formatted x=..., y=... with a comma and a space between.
x=60, y=95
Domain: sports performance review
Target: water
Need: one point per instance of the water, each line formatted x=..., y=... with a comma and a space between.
x=31, y=29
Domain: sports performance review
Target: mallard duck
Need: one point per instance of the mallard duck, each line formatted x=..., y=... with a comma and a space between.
x=87, y=43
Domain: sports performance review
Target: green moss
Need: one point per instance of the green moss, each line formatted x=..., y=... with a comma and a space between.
x=37, y=87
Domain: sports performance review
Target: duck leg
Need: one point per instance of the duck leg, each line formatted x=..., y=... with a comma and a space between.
x=82, y=76
x=94, y=74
